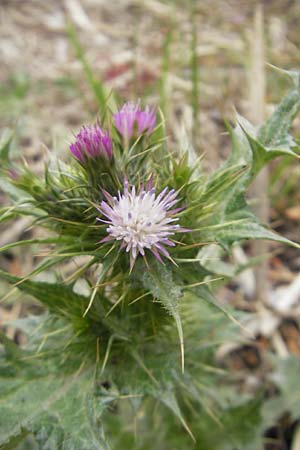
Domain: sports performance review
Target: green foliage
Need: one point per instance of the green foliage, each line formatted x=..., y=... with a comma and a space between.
x=5, y=149
x=285, y=376
x=239, y=428
x=59, y=405
x=160, y=283
x=138, y=349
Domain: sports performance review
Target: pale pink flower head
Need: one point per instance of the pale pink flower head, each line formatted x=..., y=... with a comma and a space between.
x=92, y=142
x=142, y=220
x=132, y=121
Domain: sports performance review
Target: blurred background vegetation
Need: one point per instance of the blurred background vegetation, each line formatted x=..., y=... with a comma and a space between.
x=200, y=62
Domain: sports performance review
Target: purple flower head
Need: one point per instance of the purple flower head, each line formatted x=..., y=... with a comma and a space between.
x=92, y=142
x=141, y=221
x=131, y=120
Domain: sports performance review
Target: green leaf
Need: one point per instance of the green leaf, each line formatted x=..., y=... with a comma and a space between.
x=231, y=220
x=167, y=397
x=159, y=281
x=286, y=377
x=263, y=154
x=58, y=409
x=62, y=301
x=210, y=257
x=243, y=426
x=241, y=229
x=16, y=194
x=272, y=139
x=12, y=349
x=239, y=427
x=275, y=132
x=5, y=149
x=57, y=297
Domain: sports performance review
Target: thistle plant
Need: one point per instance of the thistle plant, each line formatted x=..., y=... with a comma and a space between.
x=124, y=354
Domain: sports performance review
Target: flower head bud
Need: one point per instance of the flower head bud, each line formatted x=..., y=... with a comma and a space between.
x=13, y=174
x=132, y=121
x=92, y=142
